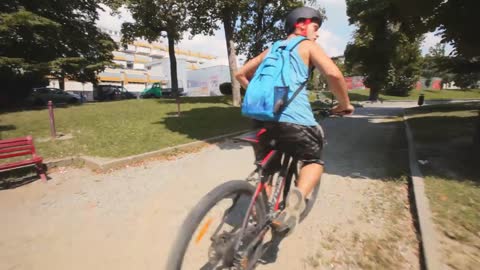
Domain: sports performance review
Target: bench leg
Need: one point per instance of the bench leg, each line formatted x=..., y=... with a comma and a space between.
x=41, y=172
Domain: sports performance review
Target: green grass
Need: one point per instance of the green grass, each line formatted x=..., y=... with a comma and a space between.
x=362, y=95
x=444, y=136
x=124, y=128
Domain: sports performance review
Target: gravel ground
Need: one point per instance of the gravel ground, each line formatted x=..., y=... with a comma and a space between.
x=127, y=219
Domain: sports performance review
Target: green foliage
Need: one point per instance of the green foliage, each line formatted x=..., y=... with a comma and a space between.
x=430, y=64
x=260, y=24
x=250, y=26
x=48, y=37
x=463, y=71
x=156, y=18
x=226, y=89
x=454, y=20
x=384, y=51
x=467, y=80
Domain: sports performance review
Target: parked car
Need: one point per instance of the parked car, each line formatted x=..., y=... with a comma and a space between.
x=154, y=91
x=111, y=92
x=167, y=90
x=41, y=96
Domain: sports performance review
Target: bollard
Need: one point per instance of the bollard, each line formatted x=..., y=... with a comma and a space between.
x=421, y=99
x=53, y=132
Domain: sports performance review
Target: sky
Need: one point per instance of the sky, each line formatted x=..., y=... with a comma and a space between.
x=334, y=34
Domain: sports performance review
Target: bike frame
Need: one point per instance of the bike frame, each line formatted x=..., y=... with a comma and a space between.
x=287, y=170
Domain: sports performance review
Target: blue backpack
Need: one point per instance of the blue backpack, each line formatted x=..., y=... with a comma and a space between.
x=267, y=92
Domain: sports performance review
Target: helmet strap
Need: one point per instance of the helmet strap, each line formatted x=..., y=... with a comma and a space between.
x=306, y=22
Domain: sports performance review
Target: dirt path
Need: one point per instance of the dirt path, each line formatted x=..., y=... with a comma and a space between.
x=127, y=219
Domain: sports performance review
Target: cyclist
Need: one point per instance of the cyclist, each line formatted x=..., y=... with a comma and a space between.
x=296, y=130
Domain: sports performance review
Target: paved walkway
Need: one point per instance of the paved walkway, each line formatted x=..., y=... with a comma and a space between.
x=127, y=219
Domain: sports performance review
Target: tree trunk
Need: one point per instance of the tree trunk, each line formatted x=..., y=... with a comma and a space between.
x=61, y=83
x=374, y=93
x=232, y=58
x=173, y=69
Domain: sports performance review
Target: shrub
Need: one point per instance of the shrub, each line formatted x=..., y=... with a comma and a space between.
x=226, y=89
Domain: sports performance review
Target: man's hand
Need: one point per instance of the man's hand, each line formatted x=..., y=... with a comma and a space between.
x=343, y=110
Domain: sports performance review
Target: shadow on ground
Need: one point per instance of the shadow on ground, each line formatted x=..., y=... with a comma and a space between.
x=198, y=123
x=17, y=177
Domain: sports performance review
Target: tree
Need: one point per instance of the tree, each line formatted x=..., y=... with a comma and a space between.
x=251, y=24
x=154, y=19
x=454, y=21
x=432, y=64
x=384, y=51
x=47, y=37
x=261, y=23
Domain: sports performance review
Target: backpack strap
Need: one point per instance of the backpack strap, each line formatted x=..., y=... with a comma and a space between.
x=298, y=89
x=294, y=43
x=288, y=47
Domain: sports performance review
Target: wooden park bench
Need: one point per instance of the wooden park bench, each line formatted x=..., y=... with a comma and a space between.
x=19, y=147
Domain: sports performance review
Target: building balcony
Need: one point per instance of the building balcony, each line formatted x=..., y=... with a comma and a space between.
x=143, y=50
x=142, y=59
x=135, y=77
x=156, y=53
x=191, y=59
x=128, y=49
x=110, y=76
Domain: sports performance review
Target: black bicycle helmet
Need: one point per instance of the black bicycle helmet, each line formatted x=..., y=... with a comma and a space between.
x=299, y=14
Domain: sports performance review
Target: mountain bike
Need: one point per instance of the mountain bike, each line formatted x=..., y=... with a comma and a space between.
x=231, y=226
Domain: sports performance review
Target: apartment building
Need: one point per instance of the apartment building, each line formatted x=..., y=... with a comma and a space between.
x=142, y=63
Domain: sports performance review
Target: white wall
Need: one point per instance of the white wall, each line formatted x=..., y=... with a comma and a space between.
x=72, y=85
x=162, y=68
x=135, y=87
x=138, y=66
x=206, y=81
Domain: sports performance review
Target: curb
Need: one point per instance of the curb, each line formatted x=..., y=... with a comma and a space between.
x=416, y=100
x=428, y=236
x=99, y=166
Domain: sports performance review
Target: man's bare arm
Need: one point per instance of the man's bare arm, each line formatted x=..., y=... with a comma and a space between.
x=335, y=79
x=244, y=75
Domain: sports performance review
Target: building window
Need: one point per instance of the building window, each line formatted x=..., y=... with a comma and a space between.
x=129, y=64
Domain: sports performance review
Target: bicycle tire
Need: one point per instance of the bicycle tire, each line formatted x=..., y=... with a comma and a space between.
x=193, y=219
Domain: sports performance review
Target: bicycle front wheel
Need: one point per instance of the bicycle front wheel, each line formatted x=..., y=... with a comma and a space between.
x=207, y=237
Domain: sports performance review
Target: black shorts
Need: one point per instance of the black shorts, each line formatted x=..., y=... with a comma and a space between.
x=303, y=142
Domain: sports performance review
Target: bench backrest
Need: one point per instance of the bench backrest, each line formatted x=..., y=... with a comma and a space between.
x=17, y=147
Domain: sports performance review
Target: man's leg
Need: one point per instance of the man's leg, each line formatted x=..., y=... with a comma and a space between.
x=309, y=177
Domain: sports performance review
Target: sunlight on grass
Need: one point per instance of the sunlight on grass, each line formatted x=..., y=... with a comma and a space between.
x=123, y=128
x=444, y=137
x=362, y=95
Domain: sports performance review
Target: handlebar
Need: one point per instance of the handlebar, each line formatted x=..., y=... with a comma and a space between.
x=328, y=112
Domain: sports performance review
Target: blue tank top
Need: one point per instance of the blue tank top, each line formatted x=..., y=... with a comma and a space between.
x=299, y=110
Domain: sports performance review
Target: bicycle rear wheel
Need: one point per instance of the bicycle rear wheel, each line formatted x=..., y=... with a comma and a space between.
x=208, y=235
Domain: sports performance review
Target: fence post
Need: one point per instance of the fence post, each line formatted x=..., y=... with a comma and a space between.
x=53, y=132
